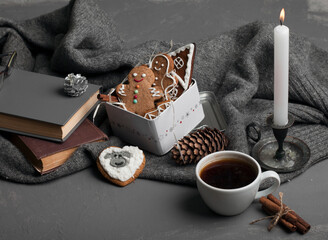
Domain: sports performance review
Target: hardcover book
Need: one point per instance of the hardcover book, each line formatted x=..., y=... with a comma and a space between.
x=46, y=156
x=35, y=104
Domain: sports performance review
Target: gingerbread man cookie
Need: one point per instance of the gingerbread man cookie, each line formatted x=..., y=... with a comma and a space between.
x=162, y=66
x=140, y=94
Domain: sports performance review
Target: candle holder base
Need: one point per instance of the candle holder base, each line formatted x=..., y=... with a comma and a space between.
x=297, y=153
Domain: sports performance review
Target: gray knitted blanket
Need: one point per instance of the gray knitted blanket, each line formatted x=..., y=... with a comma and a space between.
x=237, y=66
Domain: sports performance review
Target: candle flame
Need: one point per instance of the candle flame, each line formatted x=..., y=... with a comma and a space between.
x=282, y=16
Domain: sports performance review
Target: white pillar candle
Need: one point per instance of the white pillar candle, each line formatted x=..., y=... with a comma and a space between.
x=281, y=68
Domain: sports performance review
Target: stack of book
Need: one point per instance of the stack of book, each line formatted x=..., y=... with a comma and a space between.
x=46, y=124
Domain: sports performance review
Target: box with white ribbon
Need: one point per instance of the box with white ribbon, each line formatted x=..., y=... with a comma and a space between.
x=158, y=135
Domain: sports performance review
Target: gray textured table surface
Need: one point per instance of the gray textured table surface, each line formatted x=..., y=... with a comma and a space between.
x=84, y=206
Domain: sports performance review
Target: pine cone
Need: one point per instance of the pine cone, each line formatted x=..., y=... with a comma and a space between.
x=198, y=144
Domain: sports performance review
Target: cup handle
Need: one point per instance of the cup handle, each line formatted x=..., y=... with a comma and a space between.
x=276, y=184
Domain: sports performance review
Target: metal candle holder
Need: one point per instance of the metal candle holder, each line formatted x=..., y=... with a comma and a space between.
x=281, y=153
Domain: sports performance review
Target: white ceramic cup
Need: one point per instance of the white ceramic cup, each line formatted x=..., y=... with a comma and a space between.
x=233, y=201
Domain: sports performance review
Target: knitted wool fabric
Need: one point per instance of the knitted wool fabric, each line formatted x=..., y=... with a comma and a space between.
x=237, y=66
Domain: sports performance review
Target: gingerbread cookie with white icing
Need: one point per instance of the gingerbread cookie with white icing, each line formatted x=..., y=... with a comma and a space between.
x=121, y=166
x=140, y=94
x=162, y=66
x=183, y=61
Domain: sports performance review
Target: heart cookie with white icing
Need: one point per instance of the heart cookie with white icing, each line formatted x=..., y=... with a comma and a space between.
x=121, y=166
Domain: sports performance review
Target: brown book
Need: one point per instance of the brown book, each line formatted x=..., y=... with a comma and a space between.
x=46, y=156
x=35, y=105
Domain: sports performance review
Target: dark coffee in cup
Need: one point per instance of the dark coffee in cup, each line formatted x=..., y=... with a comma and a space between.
x=228, y=173
x=229, y=181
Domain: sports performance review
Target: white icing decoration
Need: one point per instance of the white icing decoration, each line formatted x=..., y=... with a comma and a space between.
x=121, y=104
x=135, y=74
x=143, y=75
x=170, y=89
x=157, y=69
x=161, y=107
x=151, y=115
x=154, y=92
x=185, y=82
x=178, y=62
x=156, y=78
x=126, y=172
x=155, y=113
x=156, y=62
x=174, y=93
x=121, y=90
x=162, y=64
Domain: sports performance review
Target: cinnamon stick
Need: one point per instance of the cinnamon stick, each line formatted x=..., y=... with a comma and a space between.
x=273, y=207
x=291, y=227
x=105, y=98
x=302, y=226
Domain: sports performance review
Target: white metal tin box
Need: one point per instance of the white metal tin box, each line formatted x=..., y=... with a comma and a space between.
x=158, y=135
